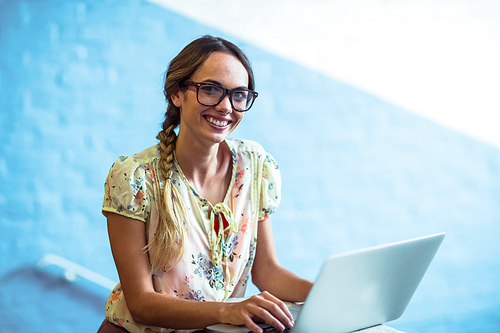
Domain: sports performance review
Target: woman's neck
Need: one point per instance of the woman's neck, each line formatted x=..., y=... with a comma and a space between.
x=195, y=157
x=207, y=168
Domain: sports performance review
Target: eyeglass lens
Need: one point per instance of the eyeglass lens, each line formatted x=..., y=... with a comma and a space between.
x=211, y=95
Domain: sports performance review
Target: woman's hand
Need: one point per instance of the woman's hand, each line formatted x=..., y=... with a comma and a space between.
x=259, y=308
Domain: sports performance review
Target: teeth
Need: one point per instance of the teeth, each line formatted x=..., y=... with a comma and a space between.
x=216, y=122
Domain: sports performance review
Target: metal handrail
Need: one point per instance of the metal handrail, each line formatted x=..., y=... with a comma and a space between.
x=72, y=271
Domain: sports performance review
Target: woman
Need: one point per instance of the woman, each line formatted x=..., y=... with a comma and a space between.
x=189, y=218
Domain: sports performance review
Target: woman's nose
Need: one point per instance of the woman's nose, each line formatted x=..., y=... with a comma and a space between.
x=225, y=105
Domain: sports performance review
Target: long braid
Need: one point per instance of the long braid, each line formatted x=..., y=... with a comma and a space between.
x=167, y=246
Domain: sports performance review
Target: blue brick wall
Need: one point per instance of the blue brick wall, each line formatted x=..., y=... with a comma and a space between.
x=80, y=84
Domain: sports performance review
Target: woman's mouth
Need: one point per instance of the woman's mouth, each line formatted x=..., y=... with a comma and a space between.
x=217, y=122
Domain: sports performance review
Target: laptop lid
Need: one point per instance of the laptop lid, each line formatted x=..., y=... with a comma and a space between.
x=366, y=287
x=362, y=288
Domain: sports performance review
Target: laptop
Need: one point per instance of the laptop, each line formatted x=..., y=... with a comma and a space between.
x=360, y=289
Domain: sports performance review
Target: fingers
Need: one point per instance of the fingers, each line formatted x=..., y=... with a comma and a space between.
x=262, y=307
x=253, y=326
x=278, y=308
x=271, y=310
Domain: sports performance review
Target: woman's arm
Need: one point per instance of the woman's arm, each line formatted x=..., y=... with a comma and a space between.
x=269, y=275
x=128, y=239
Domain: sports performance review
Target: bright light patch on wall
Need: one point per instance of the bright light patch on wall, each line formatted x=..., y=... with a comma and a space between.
x=437, y=59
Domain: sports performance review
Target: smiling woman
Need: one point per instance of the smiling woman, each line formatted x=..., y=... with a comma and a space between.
x=189, y=218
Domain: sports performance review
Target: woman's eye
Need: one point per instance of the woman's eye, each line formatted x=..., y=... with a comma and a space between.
x=240, y=95
x=211, y=90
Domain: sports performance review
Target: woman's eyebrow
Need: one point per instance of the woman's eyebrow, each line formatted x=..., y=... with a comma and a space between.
x=220, y=84
x=213, y=81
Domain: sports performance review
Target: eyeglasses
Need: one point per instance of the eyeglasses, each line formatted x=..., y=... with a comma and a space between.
x=210, y=94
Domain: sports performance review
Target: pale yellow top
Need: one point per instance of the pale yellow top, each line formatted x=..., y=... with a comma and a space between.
x=214, y=266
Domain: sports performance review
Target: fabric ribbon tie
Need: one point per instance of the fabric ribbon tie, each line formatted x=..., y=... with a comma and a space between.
x=222, y=224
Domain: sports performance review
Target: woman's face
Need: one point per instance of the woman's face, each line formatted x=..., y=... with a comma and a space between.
x=211, y=124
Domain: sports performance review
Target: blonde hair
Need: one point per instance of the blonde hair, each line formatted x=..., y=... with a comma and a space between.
x=166, y=247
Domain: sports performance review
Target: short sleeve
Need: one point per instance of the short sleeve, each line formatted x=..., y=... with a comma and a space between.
x=126, y=189
x=270, y=194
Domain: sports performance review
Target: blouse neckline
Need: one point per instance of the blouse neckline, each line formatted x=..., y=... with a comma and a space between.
x=231, y=183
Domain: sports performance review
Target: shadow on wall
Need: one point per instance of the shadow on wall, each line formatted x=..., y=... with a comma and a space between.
x=65, y=306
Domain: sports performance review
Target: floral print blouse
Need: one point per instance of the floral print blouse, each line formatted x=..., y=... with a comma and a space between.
x=221, y=239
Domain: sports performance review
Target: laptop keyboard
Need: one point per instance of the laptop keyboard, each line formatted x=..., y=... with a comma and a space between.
x=271, y=329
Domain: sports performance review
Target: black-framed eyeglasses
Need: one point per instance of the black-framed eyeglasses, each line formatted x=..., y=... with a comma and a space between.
x=211, y=94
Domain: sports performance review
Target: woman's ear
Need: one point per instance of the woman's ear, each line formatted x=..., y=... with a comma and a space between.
x=177, y=97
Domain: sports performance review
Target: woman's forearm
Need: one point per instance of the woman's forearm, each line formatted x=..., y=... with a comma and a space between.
x=171, y=312
x=283, y=284
x=154, y=309
x=269, y=275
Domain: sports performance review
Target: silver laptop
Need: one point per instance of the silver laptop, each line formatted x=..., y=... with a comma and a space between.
x=360, y=289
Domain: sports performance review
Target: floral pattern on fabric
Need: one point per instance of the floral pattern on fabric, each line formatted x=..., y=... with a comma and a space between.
x=202, y=274
x=192, y=295
x=113, y=313
x=206, y=269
